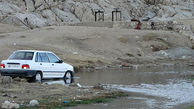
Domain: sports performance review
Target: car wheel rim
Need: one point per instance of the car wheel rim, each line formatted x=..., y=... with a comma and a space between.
x=68, y=75
x=38, y=77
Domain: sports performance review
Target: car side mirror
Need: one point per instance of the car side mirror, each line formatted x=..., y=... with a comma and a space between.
x=60, y=61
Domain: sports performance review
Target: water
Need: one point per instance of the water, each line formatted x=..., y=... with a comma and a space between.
x=149, y=88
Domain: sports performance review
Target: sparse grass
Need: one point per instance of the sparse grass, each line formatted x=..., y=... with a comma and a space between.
x=49, y=104
x=22, y=36
x=156, y=42
x=130, y=55
x=3, y=36
x=192, y=77
x=150, y=36
x=192, y=107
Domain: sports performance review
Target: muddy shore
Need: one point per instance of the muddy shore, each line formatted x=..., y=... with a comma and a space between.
x=22, y=92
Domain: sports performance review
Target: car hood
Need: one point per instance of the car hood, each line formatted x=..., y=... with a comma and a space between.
x=69, y=67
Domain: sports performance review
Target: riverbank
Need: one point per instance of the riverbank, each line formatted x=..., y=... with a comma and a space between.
x=52, y=96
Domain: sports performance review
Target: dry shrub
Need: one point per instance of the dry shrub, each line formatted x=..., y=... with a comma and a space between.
x=159, y=47
x=123, y=39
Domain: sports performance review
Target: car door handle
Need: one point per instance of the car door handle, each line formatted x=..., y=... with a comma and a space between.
x=40, y=63
x=53, y=64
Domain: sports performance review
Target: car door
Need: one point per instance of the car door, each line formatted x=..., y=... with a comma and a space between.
x=57, y=65
x=43, y=64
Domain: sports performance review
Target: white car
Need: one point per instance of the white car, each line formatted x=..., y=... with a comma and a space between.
x=36, y=65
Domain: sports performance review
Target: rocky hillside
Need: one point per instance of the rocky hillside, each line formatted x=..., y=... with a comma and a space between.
x=38, y=13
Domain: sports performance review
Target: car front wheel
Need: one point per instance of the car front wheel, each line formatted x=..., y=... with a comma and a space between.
x=68, y=75
x=68, y=78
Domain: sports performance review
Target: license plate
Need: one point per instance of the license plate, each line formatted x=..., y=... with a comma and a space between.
x=13, y=66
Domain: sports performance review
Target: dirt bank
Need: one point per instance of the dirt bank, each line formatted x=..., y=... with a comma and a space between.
x=22, y=92
x=96, y=46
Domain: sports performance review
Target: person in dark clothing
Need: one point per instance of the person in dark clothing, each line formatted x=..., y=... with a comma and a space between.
x=152, y=25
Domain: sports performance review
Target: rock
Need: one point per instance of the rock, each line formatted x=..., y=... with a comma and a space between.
x=14, y=106
x=66, y=16
x=57, y=12
x=166, y=11
x=98, y=86
x=5, y=104
x=50, y=16
x=32, y=20
x=75, y=53
x=8, y=105
x=30, y=5
x=6, y=8
x=177, y=53
x=5, y=80
x=148, y=15
x=34, y=103
x=38, y=3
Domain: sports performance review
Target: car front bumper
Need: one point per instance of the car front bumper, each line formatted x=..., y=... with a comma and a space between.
x=17, y=72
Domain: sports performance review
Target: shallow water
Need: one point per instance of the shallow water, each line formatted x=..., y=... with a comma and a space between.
x=149, y=88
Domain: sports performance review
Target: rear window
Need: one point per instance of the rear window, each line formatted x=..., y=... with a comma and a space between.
x=22, y=56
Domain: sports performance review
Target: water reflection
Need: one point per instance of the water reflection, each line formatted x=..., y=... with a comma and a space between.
x=155, y=75
x=59, y=81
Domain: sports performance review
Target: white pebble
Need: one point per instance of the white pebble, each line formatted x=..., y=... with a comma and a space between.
x=34, y=103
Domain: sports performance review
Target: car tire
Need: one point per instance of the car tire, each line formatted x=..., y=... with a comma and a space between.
x=68, y=78
x=38, y=77
x=68, y=75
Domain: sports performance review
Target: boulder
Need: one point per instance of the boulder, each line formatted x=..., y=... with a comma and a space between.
x=50, y=16
x=7, y=9
x=166, y=11
x=34, y=103
x=38, y=3
x=8, y=105
x=31, y=20
x=30, y=5
x=66, y=16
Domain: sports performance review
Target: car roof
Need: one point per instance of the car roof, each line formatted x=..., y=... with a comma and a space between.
x=33, y=51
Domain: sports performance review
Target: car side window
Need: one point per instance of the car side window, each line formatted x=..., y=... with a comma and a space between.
x=52, y=58
x=43, y=57
x=38, y=58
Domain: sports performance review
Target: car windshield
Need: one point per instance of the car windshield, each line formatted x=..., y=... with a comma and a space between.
x=22, y=55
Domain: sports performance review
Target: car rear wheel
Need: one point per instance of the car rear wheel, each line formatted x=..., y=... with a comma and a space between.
x=38, y=77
